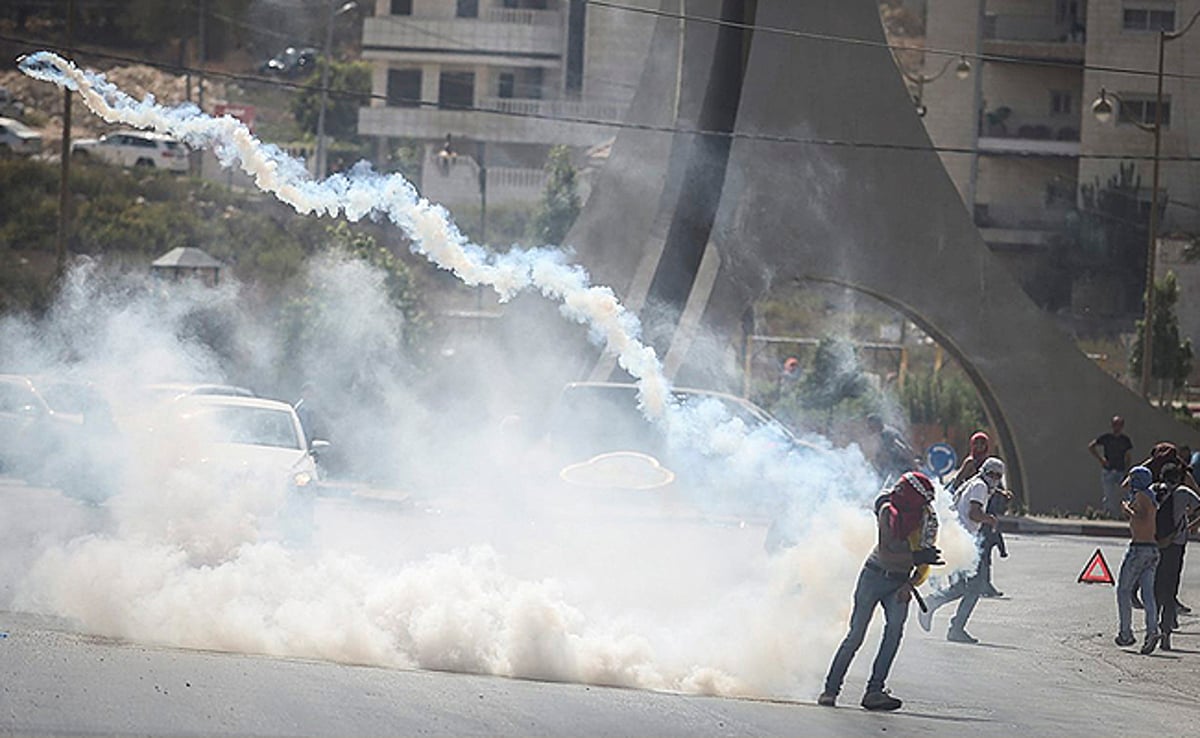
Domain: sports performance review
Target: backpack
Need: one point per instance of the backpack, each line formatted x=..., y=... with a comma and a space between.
x=1164, y=520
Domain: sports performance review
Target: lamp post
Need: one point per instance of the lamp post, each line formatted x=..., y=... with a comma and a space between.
x=962, y=70
x=325, y=55
x=1103, y=110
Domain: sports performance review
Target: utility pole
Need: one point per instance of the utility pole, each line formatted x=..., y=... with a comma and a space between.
x=64, y=177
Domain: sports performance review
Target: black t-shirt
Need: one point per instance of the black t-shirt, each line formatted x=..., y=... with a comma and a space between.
x=1115, y=447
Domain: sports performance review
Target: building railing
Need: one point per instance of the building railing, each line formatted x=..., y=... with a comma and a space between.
x=523, y=16
x=1001, y=124
x=1005, y=27
x=1021, y=217
x=606, y=111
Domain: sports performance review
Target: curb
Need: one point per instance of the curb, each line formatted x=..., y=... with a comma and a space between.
x=1065, y=527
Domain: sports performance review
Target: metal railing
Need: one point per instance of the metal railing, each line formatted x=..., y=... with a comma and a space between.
x=581, y=109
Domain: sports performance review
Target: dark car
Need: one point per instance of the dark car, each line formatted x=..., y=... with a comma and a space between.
x=291, y=62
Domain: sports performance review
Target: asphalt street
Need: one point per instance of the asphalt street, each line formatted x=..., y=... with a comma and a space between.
x=1046, y=665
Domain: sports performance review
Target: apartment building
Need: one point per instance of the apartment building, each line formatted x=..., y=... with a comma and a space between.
x=1028, y=155
x=505, y=80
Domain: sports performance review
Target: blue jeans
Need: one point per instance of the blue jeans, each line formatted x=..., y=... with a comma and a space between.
x=1110, y=485
x=873, y=589
x=1137, y=571
x=966, y=587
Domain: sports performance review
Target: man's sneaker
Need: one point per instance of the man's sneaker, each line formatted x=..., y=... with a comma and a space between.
x=880, y=701
x=959, y=635
x=1125, y=640
x=1182, y=607
x=1150, y=644
x=1164, y=642
x=992, y=592
x=925, y=619
x=827, y=699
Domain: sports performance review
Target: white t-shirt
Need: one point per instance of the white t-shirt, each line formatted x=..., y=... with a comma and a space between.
x=975, y=490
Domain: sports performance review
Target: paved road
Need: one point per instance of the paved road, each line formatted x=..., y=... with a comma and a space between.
x=1046, y=666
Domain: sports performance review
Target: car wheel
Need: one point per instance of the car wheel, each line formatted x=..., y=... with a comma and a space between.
x=144, y=162
x=80, y=155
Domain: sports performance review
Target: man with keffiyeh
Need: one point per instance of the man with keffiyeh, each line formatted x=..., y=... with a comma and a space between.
x=906, y=526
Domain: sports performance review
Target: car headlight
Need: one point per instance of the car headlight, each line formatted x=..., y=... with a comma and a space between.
x=302, y=479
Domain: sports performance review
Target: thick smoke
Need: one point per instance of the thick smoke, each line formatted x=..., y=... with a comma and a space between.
x=479, y=560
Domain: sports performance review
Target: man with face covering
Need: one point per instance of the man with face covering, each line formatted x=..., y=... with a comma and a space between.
x=968, y=587
x=906, y=528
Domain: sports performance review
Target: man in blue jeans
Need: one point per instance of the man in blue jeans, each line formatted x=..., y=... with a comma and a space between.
x=906, y=527
x=1112, y=451
x=1141, y=560
x=967, y=586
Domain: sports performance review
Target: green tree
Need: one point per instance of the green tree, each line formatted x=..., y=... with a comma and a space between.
x=349, y=89
x=560, y=204
x=1171, y=362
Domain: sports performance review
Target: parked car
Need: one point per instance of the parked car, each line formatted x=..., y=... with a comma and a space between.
x=175, y=390
x=18, y=138
x=9, y=105
x=56, y=432
x=597, y=438
x=134, y=149
x=291, y=62
x=235, y=433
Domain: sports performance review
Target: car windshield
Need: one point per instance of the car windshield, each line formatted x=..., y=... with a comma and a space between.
x=254, y=426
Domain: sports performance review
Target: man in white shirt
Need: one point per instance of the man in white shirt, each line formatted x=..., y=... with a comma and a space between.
x=967, y=586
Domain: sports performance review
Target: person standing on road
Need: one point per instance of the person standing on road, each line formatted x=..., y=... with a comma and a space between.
x=1112, y=450
x=978, y=449
x=1177, y=504
x=906, y=528
x=894, y=455
x=968, y=587
x=1141, y=560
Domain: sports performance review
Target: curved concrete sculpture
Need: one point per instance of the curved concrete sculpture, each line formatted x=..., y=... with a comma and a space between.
x=830, y=176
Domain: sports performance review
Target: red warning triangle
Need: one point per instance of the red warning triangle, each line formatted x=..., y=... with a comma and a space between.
x=1096, y=571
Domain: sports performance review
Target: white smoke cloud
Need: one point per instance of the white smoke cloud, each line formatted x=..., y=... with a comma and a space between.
x=506, y=574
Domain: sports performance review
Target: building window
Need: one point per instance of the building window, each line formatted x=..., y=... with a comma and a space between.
x=467, y=9
x=404, y=88
x=456, y=90
x=1141, y=110
x=1060, y=102
x=508, y=83
x=1148, y=19
x=401, y=7
x=576, y=28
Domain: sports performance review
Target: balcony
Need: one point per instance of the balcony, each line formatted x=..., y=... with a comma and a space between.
x=1033, y=37
x=1008, y=226
x=1003, y=134
x=501, y=32
x=514, y=121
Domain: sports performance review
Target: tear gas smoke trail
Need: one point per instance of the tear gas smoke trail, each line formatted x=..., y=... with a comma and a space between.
x=365, y=192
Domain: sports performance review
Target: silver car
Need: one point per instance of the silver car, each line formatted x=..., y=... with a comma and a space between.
x=16, y=138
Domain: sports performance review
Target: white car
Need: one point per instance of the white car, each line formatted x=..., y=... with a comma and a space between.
x=18, y=138
x=247, y=436
x=135, y=149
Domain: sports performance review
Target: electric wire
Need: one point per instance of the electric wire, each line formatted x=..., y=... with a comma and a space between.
x=815, y=36
x=611, y=124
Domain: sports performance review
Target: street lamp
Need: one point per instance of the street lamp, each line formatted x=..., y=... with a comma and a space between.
x=333, y=13
x=962, y=70
x=1103, y=110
